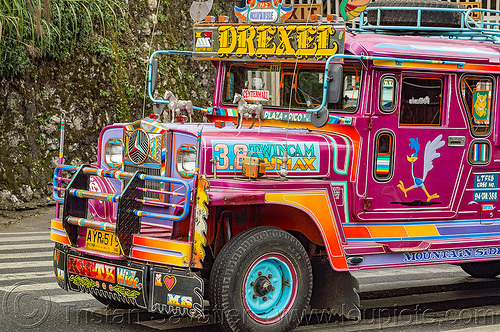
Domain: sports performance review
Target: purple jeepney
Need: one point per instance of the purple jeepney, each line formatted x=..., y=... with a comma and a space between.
x=326, y=150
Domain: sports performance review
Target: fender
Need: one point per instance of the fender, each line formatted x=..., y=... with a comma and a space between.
x=318, y=206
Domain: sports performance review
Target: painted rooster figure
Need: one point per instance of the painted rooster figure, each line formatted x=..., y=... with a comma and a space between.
x=430, y=154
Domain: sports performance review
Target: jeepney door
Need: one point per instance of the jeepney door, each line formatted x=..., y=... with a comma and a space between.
x=416, y=153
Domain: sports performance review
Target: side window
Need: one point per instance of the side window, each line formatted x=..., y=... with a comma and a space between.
x=350, y=98
x=477, y=93
x=388, y=93
x=480, y=152
x=384, y=156
x=421, y=101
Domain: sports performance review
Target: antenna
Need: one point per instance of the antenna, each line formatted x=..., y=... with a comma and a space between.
x=283, y=172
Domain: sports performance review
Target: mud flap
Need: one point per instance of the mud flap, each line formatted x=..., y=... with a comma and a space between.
x=60, y=267
x=110, y=281
x=177, y=292
x=334, y=293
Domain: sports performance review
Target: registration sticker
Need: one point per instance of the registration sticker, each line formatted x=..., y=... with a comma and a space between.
x=102, y=241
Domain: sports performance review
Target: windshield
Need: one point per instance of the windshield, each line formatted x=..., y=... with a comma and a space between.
x=276, y=86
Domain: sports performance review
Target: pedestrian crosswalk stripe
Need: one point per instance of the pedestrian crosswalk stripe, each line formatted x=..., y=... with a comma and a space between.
x=24, y=265
x=482, y=328
x=26, y=238
x=37, y=254
x=428, y=282
x=30, y=287
x=26, y=276
x=25, y=233
x=424, y=322
x=364, y=274
x=179, y=323
x=72, y=297
x=413, y=299
x=27, y=246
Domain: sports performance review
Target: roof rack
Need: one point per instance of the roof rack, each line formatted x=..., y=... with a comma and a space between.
x=464, y=27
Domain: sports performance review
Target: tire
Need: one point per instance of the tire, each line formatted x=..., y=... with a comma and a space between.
x=261, y=281
x=482, y=269
x=409, y=17
x=113, y=303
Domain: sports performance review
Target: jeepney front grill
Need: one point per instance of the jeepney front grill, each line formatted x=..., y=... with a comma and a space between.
x=143, y=153
x=148, y=184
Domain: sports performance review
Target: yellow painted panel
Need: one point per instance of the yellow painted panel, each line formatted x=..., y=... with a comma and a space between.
x=387, y=231
x=149, y=242
x=56, y=224
x=59, y=238
x=422, y=230
x=159, y=258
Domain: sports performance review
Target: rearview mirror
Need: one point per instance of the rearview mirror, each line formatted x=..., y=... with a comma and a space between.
x=335, y=81
x=154, y=75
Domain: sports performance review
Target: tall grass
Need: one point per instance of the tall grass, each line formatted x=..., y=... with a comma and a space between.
x=50, y=28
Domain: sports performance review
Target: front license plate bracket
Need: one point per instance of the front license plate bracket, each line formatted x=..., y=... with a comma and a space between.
x=103, y=241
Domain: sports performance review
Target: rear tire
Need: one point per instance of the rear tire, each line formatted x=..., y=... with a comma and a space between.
x=482, y=269
x=409, y=17
x=261, y=281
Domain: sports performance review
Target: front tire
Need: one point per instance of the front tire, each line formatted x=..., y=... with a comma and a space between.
x=261, y=281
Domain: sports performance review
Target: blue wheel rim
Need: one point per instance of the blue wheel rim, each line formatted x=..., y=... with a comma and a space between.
x=269, y=287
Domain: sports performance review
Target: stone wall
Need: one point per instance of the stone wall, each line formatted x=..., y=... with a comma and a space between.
x=102, y=83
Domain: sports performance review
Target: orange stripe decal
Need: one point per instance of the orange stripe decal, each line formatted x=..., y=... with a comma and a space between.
x=318, y=206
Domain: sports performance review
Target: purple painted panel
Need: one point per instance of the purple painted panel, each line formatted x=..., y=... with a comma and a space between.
x=468, y=229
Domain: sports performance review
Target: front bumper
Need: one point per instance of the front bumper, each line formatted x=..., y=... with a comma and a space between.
x=159, y=289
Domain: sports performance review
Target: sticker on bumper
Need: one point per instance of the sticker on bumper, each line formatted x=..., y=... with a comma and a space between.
x=124, y=284
x=176, y=292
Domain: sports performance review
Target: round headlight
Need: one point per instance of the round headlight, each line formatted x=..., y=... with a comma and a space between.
x=186, y=161
x=113, y=153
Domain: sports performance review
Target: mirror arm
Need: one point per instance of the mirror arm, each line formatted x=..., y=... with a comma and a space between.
x=150, y=77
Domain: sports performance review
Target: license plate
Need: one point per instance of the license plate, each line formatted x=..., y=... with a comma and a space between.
x=102, y=241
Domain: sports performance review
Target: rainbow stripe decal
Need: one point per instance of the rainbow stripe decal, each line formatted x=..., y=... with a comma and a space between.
x=382, y=164
x=480, y=152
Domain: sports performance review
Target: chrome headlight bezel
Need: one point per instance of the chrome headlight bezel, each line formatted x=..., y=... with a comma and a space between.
x=113, y=153
x=186, y=160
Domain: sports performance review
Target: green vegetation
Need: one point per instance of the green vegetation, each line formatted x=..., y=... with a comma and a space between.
x=49, y=28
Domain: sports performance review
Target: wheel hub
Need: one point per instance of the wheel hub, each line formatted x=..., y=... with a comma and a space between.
x=262, y=286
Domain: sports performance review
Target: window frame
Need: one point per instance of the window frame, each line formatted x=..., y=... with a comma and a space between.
x=470, y=152
x=441, y=102
x=391, y=155
x=466, y=108
x=395, y=94
x=226, y=89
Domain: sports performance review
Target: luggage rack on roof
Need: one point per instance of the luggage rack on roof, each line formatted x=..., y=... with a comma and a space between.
x=377, y=19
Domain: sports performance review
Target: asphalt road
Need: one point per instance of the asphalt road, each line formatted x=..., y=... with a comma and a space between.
x=432, y=298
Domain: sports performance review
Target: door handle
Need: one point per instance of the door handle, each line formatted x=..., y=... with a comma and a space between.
x=456, y=140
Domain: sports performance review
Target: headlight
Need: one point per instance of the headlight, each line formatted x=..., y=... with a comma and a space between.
x=113, y=153
x=186, y=160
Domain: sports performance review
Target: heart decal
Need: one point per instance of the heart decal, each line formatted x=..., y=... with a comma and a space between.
x=170, y=282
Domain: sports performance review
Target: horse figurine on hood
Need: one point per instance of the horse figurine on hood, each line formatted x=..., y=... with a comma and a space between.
x=176, y=106
x=246, y=110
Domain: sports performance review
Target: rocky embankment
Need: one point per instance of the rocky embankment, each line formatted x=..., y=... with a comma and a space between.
x=102, y=82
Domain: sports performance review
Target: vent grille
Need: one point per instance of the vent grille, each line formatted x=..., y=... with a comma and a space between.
x=149, y=184
x=143, y=153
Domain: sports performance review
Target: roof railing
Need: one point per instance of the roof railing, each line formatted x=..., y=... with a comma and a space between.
x=464, y=28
